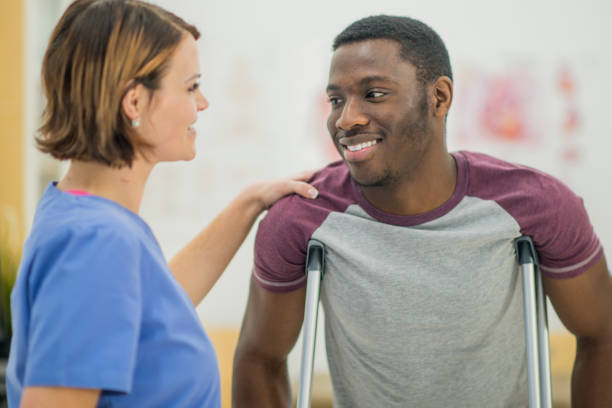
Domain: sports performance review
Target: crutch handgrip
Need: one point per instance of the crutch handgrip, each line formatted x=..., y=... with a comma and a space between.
x=315, y=257
x=526, y=250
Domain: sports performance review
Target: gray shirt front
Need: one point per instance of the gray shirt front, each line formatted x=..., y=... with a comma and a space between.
x=426, y=310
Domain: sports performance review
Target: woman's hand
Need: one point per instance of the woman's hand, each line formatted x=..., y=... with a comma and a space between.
x=198, y=266
x=266, y=193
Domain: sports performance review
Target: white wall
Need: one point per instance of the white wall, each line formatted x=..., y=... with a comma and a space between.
x=40, y=16
x=264, y=68
x=265, y=65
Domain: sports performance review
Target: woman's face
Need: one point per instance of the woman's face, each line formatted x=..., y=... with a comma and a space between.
x=169, y=115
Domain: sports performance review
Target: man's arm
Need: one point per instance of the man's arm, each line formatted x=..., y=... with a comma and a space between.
x=584, y=304
x=271, y=326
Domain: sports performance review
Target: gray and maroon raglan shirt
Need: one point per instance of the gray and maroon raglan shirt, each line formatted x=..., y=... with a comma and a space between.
x=427, y=310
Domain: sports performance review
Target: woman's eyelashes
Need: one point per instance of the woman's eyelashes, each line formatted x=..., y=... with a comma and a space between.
x=194, y=87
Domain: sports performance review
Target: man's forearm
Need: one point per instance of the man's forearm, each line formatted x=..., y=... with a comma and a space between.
x=257, y=383
x=592, y=374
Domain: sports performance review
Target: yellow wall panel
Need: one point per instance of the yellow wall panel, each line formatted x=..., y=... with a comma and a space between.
x=11, y=112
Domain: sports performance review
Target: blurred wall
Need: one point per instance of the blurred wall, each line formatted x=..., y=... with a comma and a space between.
x=540, y=66
x=11, y=113
x=538, y=69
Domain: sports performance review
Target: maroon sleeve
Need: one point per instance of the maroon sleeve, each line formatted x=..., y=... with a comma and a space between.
x=280, y=246
x=545, y=208
x=562, y=233
x=282, y=236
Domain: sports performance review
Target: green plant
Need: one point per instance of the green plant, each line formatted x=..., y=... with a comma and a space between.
x=10, y=254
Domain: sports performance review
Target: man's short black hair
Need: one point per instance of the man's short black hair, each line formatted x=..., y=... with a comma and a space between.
x=420, y=44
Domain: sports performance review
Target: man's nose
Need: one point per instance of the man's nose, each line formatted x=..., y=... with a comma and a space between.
x=352, y=115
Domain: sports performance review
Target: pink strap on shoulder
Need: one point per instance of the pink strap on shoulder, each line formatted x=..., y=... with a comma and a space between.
x=78, y=192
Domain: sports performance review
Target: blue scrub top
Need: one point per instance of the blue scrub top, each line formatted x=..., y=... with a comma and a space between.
x=96, y=306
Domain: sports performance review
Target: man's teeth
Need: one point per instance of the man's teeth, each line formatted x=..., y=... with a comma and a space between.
x=356, y=148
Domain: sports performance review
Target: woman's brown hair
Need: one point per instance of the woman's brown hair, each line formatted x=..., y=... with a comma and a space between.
x=97, y=51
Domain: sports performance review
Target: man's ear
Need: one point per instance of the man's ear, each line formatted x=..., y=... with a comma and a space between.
x=134, y=101
x=442, y=96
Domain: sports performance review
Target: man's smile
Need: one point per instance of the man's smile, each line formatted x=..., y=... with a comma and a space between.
x=359, y=147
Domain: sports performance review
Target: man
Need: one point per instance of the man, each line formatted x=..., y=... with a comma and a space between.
x=422, y=295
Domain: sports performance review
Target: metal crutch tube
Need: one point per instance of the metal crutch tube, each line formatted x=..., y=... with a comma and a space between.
x=536, y=326
x=543, y=343
x=315, y=268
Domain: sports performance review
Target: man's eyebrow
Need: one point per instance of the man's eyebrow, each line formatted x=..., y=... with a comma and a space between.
x=365, y=81
x=191, y=78
x=332, y=87
x=377, y=78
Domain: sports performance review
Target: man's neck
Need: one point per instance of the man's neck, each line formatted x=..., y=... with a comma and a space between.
x=432, y=186
x=125, y=186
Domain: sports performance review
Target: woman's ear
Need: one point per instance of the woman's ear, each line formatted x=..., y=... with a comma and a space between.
x=442, y=95
x=133, y=102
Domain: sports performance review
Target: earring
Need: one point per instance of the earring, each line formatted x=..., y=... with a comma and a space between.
x=135, y=122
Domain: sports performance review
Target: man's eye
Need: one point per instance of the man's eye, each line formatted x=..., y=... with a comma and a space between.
x=194, y=87
x=334, y=100
x=375, y=94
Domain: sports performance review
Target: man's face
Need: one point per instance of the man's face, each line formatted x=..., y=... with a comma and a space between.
x=379, y=120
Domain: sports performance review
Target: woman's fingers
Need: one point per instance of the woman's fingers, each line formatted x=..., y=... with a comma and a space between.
x=303, y=189
x=268, y=192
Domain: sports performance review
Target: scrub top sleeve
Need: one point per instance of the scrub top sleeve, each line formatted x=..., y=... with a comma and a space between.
x=85, y=297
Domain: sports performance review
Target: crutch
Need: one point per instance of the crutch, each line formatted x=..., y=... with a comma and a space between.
x=315, y=268
x=536, y=325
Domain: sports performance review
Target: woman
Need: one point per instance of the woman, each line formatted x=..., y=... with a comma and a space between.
x=100, y=318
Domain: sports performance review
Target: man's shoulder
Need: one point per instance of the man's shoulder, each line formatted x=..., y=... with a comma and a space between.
x=485, y=163
x=336, y=193
x=491, y=176
x=293, y=219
